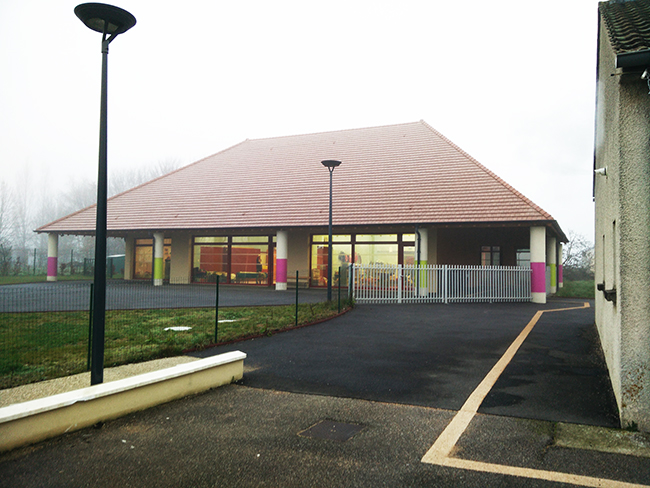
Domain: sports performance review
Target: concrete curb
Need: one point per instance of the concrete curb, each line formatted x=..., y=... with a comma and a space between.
x=29, y=422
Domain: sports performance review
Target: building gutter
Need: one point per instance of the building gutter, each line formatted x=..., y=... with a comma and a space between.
x=636, y=59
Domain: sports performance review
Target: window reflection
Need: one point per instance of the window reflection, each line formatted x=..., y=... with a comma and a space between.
x=360, y=249
x=341, y=258
x=238, y=262
x=143, y=259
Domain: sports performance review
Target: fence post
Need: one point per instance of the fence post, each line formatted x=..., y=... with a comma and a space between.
x=445, y=284
x=339, y=289
x=90, y=327
x=297, y=276
x=216, y=314
x=350, y=281
x=399, y=283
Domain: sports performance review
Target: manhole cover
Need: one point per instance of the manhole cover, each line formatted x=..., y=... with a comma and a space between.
x=333, y=431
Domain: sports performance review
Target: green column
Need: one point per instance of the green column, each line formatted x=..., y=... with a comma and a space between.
x=158, y=251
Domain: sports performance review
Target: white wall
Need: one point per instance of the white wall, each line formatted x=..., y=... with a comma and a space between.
x=622, y=234
x=181, y=267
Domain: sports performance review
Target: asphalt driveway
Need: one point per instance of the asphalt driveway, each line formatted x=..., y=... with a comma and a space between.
x=408, y=359
x=436, y=355
x=132, y=295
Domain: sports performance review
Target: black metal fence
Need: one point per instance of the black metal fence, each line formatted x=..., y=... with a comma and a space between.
x=45, y=327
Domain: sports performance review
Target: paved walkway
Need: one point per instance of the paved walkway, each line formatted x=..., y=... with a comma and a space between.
x=265, y=432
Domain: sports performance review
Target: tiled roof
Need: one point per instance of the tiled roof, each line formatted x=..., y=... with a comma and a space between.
x=628, y=24
x=398, y=174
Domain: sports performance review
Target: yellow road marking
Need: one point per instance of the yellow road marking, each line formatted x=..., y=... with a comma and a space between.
x=539, y=474
x=440, y=452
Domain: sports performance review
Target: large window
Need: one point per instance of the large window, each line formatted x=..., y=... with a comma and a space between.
x=390, y=249
x=236, y=259
x=341, y=258
x=523, y=257
x=143, y=264
x=490, y=256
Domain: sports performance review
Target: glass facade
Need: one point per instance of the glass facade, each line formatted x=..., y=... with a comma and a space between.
x=210, y=263
x=523, y=257
x=490, y=256
x=409, y=256
x=341, y=257
x=376, y=254
x=235, y=259
x=251, y=260
x=390, y=249
x=143, y=262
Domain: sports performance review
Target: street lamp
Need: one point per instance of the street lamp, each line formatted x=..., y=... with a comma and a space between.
x=110, y=21
x=330, y=164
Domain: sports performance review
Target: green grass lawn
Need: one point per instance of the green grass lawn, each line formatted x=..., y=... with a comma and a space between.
x=39, y=346
x=577, y=289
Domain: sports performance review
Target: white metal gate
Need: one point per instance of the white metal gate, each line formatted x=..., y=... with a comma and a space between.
x=440, y=283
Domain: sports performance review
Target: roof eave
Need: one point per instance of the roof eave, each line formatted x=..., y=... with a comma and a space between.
x=635, y=59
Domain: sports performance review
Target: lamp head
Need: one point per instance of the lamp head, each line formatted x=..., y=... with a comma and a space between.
x=105, y=18
x=330, y=163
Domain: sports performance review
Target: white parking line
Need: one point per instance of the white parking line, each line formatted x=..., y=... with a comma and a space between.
x=440, y=452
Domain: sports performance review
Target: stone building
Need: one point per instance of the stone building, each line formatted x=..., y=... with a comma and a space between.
x=622, y=197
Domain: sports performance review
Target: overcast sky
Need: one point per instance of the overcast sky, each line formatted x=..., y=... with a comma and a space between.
x=511, y=82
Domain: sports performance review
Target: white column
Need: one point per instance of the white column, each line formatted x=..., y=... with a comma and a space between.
x=560, y=270
x=538, y=264
x=158, y=254
x=281, y=253
x=52, y=256
x=129, y=250
x=551, y=262
x=422, y=250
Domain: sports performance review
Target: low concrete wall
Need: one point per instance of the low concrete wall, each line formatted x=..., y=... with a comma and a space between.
x=25, y=423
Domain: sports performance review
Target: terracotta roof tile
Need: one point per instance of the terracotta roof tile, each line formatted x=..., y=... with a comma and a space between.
x=628, y=24
x=407, y=173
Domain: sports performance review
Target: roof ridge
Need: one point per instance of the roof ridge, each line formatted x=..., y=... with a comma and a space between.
x=496, y=177
x=333, y=131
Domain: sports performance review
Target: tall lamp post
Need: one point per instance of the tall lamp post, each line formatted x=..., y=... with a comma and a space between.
x=330, y=164
x=110, y=21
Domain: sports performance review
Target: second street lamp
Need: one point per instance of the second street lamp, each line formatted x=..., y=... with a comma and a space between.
x=330, y=164
x=110, y=21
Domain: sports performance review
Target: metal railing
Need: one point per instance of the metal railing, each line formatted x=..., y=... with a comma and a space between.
x=45, y=328
x=439, y=284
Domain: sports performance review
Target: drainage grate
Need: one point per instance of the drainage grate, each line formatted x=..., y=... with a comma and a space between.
x=333, y=431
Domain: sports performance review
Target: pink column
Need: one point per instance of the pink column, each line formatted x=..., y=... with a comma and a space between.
x=538, y=264
x=281, y=252
x=52, y=256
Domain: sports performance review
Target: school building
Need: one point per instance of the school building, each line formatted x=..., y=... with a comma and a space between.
x=258, y=212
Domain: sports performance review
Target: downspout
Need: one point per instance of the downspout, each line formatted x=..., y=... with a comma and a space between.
x=417, y=274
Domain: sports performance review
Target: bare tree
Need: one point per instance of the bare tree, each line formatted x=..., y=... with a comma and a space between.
x=578, y=263
x=80, y=194
x=5, y=238
x=28, y=203
x=22, y=218
x=122, y=181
